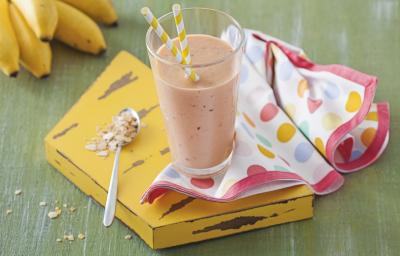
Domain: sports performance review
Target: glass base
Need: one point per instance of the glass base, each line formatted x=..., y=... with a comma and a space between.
x=206, y=172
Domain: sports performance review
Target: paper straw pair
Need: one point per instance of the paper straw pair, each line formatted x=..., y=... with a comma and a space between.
x=182, y=57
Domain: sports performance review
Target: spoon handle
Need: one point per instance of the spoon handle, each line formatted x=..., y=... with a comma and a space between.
x=112, y=192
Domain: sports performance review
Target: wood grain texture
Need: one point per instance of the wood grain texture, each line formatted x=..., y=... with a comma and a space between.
x=363, y=218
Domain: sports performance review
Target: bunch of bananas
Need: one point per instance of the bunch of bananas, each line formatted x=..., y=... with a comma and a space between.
x=27, y=26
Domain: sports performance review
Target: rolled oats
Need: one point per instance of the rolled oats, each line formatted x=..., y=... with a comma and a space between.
x=103, y=153
x=54, y=214
x=69, y=237
x=122, y=130
x=91, y=147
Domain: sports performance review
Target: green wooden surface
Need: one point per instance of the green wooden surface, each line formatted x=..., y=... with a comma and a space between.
x=363, y=218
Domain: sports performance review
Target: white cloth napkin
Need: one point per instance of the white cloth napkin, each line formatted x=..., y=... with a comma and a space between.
x=298, y=123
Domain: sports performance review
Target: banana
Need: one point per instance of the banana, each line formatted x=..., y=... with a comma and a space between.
x=77, y=30
x=35, y=54
x=99, y=10
x=41, y=15
x=9, y=52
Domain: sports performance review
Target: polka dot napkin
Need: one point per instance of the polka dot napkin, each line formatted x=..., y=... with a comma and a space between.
x=298, y=123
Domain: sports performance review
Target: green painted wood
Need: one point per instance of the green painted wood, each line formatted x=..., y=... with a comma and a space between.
x=363, y=218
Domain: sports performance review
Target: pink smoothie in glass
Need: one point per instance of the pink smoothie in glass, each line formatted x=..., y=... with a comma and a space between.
x=199, y=116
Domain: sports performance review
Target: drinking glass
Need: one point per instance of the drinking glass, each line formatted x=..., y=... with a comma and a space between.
x=199, y=116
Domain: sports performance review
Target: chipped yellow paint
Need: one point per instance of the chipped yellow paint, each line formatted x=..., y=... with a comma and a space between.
x=232, y=223
x=143, y=159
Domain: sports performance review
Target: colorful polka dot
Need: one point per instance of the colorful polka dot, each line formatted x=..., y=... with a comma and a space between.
x=280, y=168
x=242, y=148
x=331, y=91
x=304, y=128
x=171, y=173
x=244, y=74
x=268, y=112
x=313, y=104
x=248, y=120
x=345, y=148
x=331, y=121
x=263, y=140
x=355, y=155
x=353, y=102
x=302, y=88
x=367, y=136
x=255, y=53
x=286, y=132
x=265, y=151
x=285, y=70
x=255, y=169
x=303, y=152
x=247, y=130
x=372, y=116
x=320, y=145
x=290, y=109
x=202, y=183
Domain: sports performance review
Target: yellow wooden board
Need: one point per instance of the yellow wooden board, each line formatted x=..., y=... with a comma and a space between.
x=175, y=218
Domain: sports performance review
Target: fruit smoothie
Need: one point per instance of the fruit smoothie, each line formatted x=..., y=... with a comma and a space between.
x=199, y=116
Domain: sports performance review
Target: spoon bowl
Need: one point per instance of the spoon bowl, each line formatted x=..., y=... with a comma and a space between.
x=109, y=211
x=136, y=116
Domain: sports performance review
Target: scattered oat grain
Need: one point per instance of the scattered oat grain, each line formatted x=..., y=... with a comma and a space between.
x=128, y=237
x=59, y=240
x=18, y=192
x=91, y=147
x=8, y=212
x=65, y=205
x=81, y=236
x=54, y=214
x=72, y=209
x=43, y=204
x=103, y=153
x=69, y=237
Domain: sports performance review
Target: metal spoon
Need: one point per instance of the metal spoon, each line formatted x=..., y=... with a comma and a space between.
x=109, y=211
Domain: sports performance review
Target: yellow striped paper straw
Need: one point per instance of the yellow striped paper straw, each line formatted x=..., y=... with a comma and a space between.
x=180, y=28
x=148, y=15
